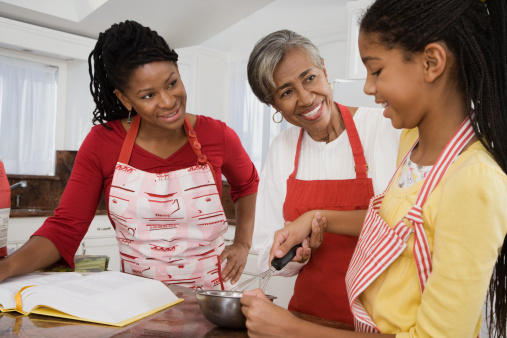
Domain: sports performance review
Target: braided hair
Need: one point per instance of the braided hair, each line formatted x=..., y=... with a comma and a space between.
x=475, y=31
x=118, y=52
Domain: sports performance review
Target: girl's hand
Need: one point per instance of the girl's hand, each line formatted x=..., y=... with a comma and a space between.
x=263, y=318
x=311, y=224
x=319, y=225
x=235, y=255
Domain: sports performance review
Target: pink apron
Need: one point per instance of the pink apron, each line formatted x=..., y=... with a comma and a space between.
x=170, y=225
x=379, y=245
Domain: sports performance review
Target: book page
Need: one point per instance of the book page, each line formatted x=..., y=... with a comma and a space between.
x=109, y=297
x=11, y=286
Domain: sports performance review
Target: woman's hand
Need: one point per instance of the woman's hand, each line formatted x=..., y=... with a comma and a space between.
x=235, y=255
x=263, y=318
x=309, y=225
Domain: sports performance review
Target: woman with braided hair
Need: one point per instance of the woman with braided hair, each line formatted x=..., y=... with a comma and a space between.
x=159, y=168
x=434, y=243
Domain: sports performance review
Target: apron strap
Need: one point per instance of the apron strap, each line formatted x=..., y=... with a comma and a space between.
x=194, y=143
x=220, y=278
x=361, y=167
x=451, y=151
x=130, y=139
x=298, y=152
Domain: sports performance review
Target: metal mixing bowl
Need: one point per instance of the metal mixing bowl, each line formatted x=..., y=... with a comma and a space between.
x=223, y=308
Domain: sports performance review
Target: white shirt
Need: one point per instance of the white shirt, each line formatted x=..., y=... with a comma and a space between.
x=319, y=161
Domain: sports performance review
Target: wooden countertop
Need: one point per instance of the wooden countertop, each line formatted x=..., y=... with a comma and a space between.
x=181, y=320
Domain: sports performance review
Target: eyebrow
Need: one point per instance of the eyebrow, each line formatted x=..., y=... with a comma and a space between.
x=287, y=84
x=150, y=89
x=369, y=58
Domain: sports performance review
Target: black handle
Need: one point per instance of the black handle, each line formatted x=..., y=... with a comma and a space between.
x=279, y=263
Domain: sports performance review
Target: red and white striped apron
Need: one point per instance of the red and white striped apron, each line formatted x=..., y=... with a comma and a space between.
x=379, y=244
x=170, y=225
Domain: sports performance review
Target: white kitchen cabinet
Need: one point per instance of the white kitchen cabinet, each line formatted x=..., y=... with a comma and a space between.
x=99, y=240
x=202, y=71
x=355, y=9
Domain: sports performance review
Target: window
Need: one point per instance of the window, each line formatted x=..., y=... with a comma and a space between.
x=28, y=111
x=250, y=118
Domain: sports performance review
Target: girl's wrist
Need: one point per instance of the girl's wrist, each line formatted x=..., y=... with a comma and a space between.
x=308, y=219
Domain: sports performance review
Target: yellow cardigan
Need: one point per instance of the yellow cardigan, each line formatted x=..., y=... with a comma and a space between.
x=465, y=220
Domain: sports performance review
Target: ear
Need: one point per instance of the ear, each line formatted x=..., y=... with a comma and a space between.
x=123, y=99
x=435, y=61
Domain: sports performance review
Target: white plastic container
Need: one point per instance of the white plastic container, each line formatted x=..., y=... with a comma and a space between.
x=5, y=208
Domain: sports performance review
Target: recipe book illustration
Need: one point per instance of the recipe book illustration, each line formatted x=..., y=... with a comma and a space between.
x=109, y=297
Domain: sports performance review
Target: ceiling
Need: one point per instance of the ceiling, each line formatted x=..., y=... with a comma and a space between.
x=181, y=22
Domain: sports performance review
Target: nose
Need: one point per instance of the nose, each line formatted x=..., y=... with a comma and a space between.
x=369, y=86
x=166, y=99
x=305, y=97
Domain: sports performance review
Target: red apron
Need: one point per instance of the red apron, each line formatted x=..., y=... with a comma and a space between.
x=320, y=286
x=170, y=225
x=379, y=244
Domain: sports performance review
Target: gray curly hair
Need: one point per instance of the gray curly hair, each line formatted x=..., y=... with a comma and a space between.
x=268, y=53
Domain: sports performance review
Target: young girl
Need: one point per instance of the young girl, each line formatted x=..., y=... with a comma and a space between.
x=429, y=244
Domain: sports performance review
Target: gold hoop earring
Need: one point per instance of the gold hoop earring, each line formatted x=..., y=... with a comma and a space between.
x=129, y=118
x=275, y=120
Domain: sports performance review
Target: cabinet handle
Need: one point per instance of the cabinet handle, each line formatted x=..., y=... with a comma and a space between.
x=104, y=229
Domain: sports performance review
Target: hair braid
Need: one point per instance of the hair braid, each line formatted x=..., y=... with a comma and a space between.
x=118, y=51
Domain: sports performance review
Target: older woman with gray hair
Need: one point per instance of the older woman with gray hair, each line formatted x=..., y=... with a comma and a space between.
x=330, y=162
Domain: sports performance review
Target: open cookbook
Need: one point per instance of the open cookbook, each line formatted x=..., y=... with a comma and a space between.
x=109, y=297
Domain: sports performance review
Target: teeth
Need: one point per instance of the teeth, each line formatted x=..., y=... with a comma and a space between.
x=313, y=112
x=384, y=104
x=170, y=114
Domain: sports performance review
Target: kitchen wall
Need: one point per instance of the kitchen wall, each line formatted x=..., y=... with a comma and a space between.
x=205, y=68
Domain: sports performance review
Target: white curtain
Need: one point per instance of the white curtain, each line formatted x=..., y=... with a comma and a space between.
x=28, y=104
x=250, y=118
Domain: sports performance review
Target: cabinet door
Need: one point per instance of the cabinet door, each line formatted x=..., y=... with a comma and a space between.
x=355, y=66
x=101, y=240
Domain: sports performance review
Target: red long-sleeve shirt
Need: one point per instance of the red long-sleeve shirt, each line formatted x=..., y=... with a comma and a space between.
x=94, y=168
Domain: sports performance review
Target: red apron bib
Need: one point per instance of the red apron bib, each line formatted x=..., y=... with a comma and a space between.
x=169, y=226
x=320, y=286
x=379, y=244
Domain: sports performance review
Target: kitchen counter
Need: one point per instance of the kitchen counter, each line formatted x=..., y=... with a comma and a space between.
x=181, y=320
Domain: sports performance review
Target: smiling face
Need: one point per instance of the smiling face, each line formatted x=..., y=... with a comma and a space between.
x=396, y=83
x=155, y=91
x=302, y=94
